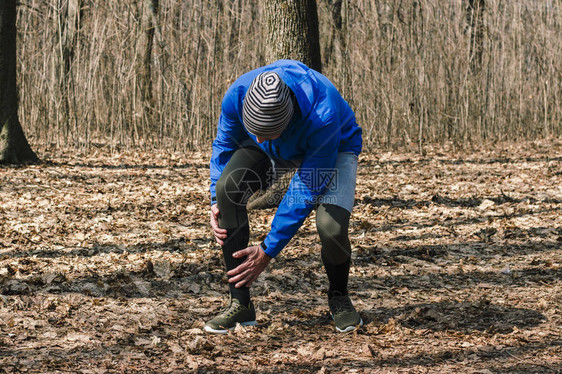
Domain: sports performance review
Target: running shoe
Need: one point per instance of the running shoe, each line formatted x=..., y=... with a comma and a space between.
x=343, y=313
x=228, y=318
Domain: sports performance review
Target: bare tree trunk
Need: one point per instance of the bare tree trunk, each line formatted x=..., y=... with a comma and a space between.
x=339, y=34
x=475, y=20
x=292, y=33
x=70, y=14
x=291, y=29
x=14, y=147
x=148, y=13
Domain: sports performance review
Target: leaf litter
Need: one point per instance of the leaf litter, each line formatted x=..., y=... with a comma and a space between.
x=107, y=264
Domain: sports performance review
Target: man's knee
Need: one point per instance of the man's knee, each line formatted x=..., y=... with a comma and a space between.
x=332, y=223
x=245, y=173
x=233, y=187
x=330, y=228
x=222, y=188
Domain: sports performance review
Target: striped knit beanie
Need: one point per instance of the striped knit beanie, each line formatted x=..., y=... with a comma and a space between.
x=268, y=106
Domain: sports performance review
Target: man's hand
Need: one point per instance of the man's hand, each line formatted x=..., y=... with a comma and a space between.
x=247, y=272
x=220, y=234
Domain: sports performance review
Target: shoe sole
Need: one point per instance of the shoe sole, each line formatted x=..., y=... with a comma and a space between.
x=350, y=328
x=224, y=331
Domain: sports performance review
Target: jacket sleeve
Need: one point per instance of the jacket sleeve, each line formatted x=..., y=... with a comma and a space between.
x=230, y=134
x=308, y=183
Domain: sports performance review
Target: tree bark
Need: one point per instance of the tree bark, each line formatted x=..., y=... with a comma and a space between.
x=271, y=197
x=291, y=29
x=69, y=20
x=148, y=13
x=475, y=20
x=14, y=148
x=71, y=15
x=339, y=38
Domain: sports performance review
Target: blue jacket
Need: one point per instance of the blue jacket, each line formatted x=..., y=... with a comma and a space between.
x=324, y=126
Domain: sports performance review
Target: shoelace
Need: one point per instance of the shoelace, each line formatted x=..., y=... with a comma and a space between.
x=230, y=310
x=341, y=304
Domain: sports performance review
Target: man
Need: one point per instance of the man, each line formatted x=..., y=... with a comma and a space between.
x=278, y=117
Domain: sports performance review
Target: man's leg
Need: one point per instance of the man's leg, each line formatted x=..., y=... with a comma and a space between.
x=332, y=223
x=245, y=173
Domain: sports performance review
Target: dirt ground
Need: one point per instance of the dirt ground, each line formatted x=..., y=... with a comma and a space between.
x=107, y=264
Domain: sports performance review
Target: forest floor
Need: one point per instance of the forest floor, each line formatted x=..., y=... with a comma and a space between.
x=107, y=264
